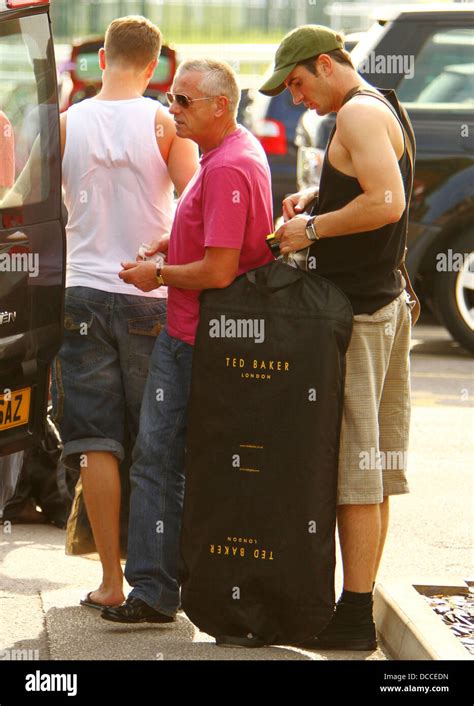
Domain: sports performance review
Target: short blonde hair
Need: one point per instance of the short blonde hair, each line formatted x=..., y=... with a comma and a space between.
x=133, y=41
x=218, y=79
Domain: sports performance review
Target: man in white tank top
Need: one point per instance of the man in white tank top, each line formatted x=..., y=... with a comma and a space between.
x=121, y=158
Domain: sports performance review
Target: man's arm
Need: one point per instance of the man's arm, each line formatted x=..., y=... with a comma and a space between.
x=363, y=131
x=31, y=172
x=216, y=270
x=7, y=144
x=28, y=177
x=180, y=155
x=225, y=202
x=183, y=161
x=62, y=131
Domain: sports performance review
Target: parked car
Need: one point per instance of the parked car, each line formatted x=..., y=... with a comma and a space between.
x=430, y=56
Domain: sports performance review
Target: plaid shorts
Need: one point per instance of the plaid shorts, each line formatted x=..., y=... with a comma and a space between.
x=376, y=416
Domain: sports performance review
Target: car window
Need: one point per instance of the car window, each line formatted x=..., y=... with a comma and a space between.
x=454, y=85
x=433, y=73
x=28, y=112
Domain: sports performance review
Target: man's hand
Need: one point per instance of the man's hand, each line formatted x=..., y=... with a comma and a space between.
x=296, y=203
x=292, y=235
x=141, y=274
x=158, y=245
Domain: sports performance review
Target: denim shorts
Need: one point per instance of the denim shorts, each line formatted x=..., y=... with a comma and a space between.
x=99, y=374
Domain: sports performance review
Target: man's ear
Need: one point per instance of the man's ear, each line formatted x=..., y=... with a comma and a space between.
x=324, y=63
x=102, y=58
x=150, y=69
x=222, y=103
x=102, y=61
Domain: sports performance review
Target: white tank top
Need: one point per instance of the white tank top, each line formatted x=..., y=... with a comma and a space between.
x=118, y=192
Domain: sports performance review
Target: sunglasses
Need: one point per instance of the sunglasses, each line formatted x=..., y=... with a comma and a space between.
x=183, y=101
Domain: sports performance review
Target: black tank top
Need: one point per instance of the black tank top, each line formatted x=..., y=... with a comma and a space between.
x=364, y=265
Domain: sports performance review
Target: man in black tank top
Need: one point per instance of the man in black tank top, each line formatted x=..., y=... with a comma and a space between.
x=356, y=237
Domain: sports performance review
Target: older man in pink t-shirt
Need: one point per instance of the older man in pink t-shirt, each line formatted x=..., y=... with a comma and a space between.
x=219, y=232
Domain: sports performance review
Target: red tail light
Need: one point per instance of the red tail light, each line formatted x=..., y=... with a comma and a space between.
x=13, y=4
x=272, y=135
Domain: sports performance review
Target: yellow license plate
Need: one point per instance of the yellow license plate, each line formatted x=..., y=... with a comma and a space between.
x=14, y=408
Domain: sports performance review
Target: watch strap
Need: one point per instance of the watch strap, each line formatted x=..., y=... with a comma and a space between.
x=310, y=229
x=159, y=277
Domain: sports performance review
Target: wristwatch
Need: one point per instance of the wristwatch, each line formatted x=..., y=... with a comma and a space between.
x=311, y=233
x=159, y=277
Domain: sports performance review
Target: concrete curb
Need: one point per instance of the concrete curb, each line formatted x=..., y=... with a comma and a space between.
x=409, y=628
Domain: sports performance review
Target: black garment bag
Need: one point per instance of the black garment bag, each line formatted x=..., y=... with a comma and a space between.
x=258, y=536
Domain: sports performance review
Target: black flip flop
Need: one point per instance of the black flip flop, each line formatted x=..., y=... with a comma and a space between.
x=89, y=603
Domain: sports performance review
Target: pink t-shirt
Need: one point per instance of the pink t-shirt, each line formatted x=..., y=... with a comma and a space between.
x=227, y=204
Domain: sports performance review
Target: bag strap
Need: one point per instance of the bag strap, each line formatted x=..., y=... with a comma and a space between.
x=413, y=300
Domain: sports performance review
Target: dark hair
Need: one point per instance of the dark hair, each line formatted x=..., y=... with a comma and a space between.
x=341, y=56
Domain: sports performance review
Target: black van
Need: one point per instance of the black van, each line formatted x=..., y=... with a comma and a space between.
x=32, y=235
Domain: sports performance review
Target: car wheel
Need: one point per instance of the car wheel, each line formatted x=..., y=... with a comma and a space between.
x=454, y=289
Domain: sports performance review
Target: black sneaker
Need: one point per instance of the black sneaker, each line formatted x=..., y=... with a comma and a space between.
x=134, y=610
x=350, y=628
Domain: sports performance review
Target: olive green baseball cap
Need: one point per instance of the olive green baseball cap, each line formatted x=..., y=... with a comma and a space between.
x=298, y=45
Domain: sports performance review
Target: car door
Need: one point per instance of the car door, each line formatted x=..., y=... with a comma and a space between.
x=32, y=238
